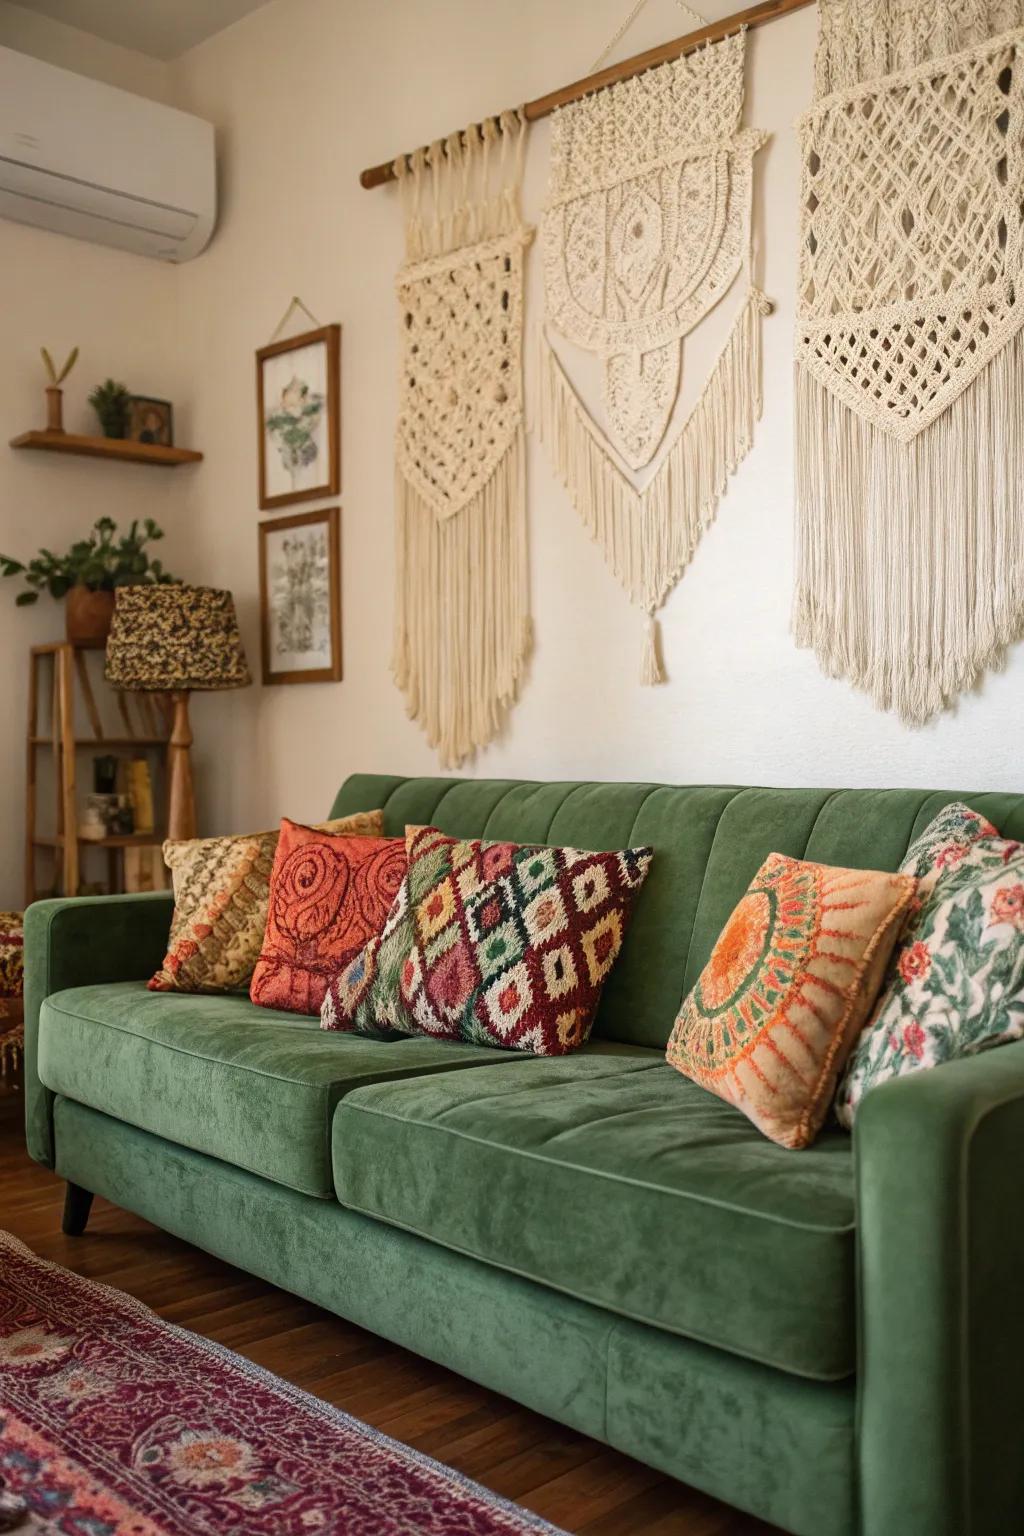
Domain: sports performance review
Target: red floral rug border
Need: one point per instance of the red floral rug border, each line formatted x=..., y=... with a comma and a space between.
x=39, y=1444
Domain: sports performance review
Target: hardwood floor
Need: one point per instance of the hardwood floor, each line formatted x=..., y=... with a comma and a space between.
x=574, y=1482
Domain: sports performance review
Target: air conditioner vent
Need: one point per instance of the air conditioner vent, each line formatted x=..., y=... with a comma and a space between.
x=84, y=159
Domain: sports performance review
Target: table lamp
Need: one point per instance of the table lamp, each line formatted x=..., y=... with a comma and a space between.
x=175, y=639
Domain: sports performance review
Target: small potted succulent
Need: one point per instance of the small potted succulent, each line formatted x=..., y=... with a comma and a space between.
x=111, y=402
x=88, y=576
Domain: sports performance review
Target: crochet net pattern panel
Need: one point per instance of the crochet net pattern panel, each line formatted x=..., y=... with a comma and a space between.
x=461, y=381
x=910, y=349
x=460, y=295
x=861, y=40
x=912, y=231
x=614, y=134
x=645, y=227
x=462, y=619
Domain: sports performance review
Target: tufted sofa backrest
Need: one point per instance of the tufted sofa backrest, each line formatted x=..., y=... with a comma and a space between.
x=709, y=842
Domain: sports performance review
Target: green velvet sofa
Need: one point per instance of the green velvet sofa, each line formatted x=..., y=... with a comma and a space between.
x=830, y=1339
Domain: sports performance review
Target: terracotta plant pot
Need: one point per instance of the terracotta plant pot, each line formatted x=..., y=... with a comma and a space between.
x=87, y=617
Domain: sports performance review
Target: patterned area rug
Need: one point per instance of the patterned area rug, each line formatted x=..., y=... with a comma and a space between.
x=115, y=1423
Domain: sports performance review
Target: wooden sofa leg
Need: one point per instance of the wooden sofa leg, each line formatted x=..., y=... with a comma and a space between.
x=77, y=1205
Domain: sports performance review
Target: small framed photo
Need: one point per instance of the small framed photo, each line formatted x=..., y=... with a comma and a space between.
x=300, y=597
x=298, y=398
x=150, y=421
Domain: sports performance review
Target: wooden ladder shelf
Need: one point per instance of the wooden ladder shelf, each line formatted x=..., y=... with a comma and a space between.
x=54, y=672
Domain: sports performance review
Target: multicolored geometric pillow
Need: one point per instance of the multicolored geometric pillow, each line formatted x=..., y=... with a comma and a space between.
x=221, y=892
x=955, y=985
x=328, y=895
x=792, y=978
x=493, y=943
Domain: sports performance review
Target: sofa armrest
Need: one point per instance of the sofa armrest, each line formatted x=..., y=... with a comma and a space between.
x=940, y=1195
x=71, y=943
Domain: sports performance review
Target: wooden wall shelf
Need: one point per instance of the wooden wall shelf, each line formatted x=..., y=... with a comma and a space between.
x=116, y=448
x=115, y=840
x=99, y=743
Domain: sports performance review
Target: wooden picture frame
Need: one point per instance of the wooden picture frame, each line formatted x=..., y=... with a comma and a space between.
x=150, y=421
x=299, y=461
x=282, y=563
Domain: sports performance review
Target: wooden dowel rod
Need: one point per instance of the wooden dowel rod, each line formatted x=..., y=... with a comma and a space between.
x=543, y=106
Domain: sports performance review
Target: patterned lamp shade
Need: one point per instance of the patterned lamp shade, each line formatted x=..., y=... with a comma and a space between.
x=170, y=639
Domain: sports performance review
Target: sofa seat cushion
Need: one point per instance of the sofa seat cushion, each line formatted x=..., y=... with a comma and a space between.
x=252, y=1086
x=621, y=1183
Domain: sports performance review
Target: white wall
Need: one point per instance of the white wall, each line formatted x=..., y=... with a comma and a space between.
x=307, y=92
x=120, y=310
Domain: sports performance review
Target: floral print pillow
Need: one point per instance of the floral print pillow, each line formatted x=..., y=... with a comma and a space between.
x=955, y=984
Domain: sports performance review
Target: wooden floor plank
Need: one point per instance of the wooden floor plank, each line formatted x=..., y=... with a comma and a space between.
x=567, y=1478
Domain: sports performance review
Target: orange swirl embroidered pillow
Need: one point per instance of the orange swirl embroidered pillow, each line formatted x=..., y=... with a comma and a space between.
x=221, y=893
x=328, y=896
x=788, y=987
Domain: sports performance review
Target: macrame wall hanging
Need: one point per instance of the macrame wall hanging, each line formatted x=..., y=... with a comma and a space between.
x=645, y=227
x=462, y=630
x=910, y=357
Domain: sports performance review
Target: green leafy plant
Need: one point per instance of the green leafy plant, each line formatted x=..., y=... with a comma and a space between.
x=294, y=424
x=101, y=562
x=111, y=401
x=55, y=378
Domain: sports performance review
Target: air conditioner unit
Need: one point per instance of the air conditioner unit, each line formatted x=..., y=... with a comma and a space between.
x=88, y=160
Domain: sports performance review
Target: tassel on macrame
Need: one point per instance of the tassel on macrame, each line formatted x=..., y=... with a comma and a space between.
x=651, y=670
x=649, y=537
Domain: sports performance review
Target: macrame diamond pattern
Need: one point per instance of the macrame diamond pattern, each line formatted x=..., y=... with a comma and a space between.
x=910, y=348
x=862, y=40
x=462, y=621
x=461, y=381
x=911, y=247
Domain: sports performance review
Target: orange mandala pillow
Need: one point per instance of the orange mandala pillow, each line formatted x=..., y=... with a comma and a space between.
x=328, y=897
x=789, y=985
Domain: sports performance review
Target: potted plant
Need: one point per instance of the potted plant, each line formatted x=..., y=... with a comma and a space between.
x=111, y=402
x=88, y=576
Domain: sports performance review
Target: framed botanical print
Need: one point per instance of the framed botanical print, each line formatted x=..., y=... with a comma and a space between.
x=298, y=398
x=300, y=597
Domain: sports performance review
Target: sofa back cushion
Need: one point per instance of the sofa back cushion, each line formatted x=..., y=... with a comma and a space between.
x=709, y=843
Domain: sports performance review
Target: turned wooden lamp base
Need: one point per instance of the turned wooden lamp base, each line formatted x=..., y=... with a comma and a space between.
x=169, y=638
x=181, y=810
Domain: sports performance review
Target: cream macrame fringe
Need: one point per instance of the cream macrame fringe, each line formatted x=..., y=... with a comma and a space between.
x=462, y=627
x=910, y=560
x=649, y=536
x=463, y=631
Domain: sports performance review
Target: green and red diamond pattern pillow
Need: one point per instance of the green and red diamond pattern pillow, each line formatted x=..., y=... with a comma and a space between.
x=494, y=943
